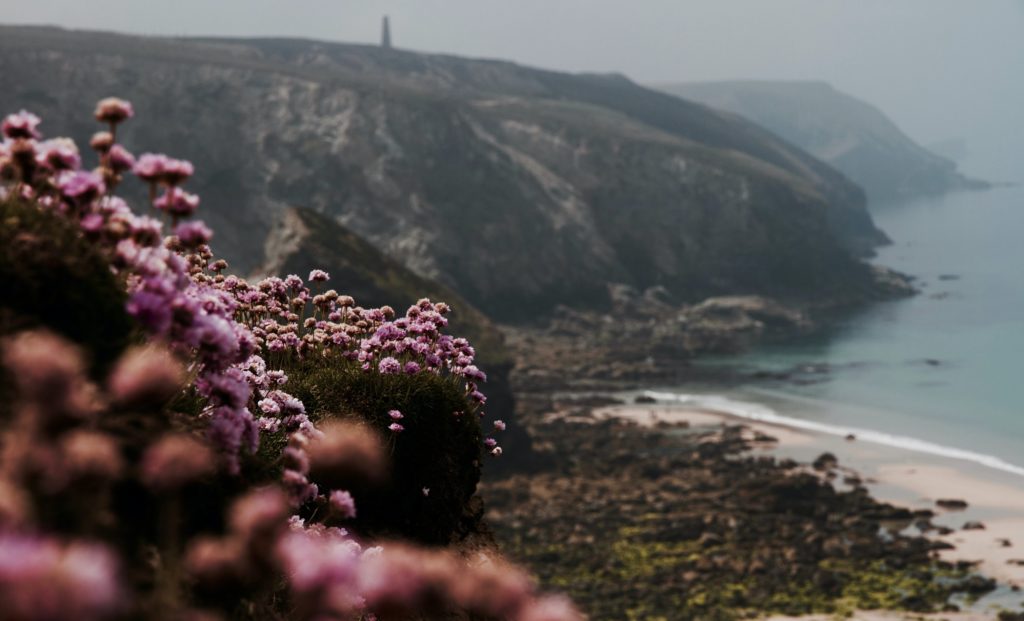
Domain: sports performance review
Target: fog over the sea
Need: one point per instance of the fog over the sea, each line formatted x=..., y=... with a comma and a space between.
x=940, y=68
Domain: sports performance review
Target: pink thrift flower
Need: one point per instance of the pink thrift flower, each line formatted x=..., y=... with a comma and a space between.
x=113, y=110
x=145, y=376
x=346, y=456
x=269, y=407
x=149, y=167
x=550, y=608
x=395, y=427
x=81, y=186
x=496, y=451
x=499, y=425
x=395, y=415
x=490, y=443
x=48, y=372
x=318, y=276
x=193, y=234
x=176, y=171
x=90, y=455
x=92, y=223
x=343, y=505
x=101, y=141
x=215, y=561
x=20, y=125
x=119, y=159
x=177, y=203
x=389, y=366
x=45, y=579
x=59, y=154
x=176, y=460
x=259, y=516
x=474, y=373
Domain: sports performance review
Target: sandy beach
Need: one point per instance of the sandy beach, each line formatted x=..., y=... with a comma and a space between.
x=994, y=499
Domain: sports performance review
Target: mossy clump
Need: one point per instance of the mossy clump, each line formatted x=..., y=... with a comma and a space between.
x=52, y=277
x=435, y=459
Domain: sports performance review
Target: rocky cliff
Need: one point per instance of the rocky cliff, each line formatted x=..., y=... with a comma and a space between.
x=521, y=189
x=850, y=134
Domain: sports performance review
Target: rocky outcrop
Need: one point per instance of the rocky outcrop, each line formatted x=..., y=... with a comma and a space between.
x=519, y=188
x=643, y=339
x=850, y=134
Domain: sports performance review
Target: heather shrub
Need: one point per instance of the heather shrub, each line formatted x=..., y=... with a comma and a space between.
x=178, y=479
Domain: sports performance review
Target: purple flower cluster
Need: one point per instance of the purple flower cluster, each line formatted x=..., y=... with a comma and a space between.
x=43, y=578
x=290, y=322
x=235, y=338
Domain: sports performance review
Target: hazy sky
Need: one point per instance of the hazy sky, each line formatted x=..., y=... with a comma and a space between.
x=940, y=68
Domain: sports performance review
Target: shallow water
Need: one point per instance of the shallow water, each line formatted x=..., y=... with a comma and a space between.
x=943, y=368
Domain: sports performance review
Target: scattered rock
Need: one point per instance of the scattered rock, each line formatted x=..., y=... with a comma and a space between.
x=850, y=437
x=645, y=399
x=825, y=461
x=973, y=526
x=1004, y=543
x=710, y=540
x=951, y=504
x=700, y=512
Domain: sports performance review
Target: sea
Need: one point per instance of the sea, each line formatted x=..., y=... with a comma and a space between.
x=939, y=373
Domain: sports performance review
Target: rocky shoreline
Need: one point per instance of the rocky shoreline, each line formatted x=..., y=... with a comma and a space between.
x=677, y=522
x=668, y=520
x=645, y=339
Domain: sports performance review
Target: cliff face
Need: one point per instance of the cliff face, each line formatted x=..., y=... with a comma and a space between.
x=850, y=134
x=521, y=189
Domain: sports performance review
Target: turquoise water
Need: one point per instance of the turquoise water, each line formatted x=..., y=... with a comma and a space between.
x=945, y=367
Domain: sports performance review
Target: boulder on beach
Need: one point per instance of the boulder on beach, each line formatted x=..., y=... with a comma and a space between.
x=825, y=461
x=952, y=504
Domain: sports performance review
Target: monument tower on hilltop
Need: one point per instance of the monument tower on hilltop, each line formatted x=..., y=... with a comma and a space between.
x=385, y=34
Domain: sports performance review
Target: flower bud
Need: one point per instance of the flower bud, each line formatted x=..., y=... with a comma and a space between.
x=145, y=377
x=91, y=455
x=113, y=110
x=101, y=142
x=347, y=456
x=176, y=460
